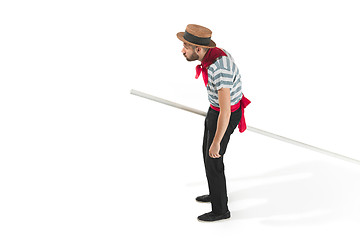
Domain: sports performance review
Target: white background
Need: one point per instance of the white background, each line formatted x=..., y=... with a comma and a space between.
x=80, y=158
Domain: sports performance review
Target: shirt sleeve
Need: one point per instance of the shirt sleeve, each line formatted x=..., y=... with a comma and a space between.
x=223, y=79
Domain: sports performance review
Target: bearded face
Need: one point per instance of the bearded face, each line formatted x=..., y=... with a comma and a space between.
x=189, y=53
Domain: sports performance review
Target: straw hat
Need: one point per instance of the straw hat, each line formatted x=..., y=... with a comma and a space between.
x=197, y=35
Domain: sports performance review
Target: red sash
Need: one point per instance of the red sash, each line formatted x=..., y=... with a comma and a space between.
x=243, y=103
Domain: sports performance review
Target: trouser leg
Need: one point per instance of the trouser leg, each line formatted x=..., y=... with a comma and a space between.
x=216, y=179
x=215, y=166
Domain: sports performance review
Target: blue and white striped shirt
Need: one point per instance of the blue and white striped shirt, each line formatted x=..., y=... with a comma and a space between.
x=224, y=73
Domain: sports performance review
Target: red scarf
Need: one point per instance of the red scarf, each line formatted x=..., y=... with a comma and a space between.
x=209, y=58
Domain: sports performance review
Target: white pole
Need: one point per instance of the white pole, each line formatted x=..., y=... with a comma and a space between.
x=167, y=102
x=252, y=129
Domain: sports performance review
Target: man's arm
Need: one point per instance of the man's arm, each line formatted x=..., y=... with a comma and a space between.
x=223, y=121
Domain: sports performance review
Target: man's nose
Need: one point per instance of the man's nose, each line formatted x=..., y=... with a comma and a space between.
x=183, y=50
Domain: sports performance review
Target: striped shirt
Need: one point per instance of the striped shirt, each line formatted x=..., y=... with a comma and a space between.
x=224, y=73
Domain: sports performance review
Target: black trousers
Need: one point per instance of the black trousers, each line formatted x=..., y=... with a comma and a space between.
x=215, y=166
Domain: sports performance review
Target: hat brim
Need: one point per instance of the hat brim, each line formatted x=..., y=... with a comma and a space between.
x=180, y=36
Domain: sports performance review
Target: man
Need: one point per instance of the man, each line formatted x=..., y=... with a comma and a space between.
x=222, y=80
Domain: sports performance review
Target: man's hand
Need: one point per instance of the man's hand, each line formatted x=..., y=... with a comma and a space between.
x=214, y=150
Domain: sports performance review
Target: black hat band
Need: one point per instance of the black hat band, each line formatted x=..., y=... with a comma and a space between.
x=196, y=40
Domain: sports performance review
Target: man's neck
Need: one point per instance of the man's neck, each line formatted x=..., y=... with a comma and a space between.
x=202, y=55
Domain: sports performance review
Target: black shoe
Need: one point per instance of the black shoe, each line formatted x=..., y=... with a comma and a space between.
x=204, y=198
x=211, y=217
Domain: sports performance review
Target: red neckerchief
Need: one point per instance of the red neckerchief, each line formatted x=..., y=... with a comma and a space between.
x=209, y=58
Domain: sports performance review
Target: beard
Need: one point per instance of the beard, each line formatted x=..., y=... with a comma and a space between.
x=192, y=57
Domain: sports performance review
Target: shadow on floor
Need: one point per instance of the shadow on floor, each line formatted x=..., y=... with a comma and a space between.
x=306, y=193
